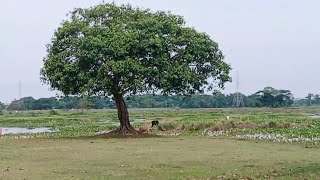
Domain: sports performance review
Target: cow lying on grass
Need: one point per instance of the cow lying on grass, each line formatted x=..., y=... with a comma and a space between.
x=146, y=129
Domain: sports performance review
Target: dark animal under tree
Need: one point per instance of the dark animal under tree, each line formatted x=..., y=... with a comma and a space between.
x=154, y=123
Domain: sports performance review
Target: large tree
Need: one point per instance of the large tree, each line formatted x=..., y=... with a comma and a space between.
x=17, y=105
x=110, y=50
x=270, y=97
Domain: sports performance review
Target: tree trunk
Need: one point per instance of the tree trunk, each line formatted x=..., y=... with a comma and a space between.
x=123, y=115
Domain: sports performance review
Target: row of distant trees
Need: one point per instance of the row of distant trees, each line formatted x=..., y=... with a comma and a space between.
x=268, y=97
x=309, y=100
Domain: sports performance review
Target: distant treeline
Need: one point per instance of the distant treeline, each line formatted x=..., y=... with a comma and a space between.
x=268, y=97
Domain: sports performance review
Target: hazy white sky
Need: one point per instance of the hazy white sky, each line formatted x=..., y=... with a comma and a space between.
x=271, y=43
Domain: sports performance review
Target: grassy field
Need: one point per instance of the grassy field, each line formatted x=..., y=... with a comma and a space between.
x=195, y=144
x=155, y=158
x=292, y=123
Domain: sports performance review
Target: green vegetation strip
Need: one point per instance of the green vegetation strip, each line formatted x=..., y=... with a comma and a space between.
x=292, y=123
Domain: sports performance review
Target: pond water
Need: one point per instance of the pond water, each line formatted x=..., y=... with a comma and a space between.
x=19, y=130
x=317, y=116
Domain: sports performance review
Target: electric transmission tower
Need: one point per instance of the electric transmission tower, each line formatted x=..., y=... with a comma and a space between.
x=238, y=99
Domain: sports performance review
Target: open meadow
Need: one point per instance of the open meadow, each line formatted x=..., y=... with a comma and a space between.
x=246, y=143
x=159, y=90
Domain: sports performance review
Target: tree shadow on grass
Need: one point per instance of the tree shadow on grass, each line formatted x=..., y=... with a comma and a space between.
x=114, y=135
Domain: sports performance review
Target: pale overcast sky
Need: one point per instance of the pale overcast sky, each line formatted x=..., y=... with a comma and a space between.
x=271, y=43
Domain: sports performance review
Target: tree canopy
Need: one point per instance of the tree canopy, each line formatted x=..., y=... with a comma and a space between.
x=2, y=106
x=110, y=50
x=270, y=97
x=217, y=100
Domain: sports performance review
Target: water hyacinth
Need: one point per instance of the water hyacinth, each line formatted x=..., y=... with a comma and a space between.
x=272, y=136
x=276, y=138
x=215, y=133
x=169, y=133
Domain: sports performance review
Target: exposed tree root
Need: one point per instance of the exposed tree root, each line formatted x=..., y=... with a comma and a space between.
x=125, y=130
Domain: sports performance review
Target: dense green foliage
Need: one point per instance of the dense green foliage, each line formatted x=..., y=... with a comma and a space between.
x=264, y=98
x=270, y=97
x=2, y=106
x=29, y=103
x=309, y=100
x=112, y=50
x=218, y=100
x=109, y=50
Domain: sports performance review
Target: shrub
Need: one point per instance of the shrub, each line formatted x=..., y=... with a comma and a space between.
x=272, y=124
x=53, y=112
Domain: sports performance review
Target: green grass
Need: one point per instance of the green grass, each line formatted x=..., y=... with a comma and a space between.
x=292, y=122
x=189, y=156
x=155, y=158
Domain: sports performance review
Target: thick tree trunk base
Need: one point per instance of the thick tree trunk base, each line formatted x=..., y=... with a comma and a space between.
x=126, y=133
x=125, y=130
